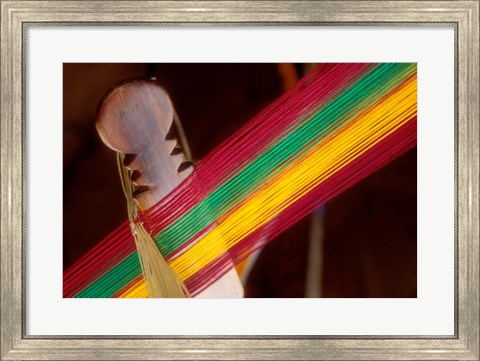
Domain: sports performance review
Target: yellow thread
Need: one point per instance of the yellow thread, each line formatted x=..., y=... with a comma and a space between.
x=299, y=180
x=362, y=133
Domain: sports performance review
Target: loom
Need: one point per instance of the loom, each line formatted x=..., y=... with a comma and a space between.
x=336, y=126
x=137, y=119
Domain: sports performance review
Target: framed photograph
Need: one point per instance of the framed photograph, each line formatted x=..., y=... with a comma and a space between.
x=240, y=180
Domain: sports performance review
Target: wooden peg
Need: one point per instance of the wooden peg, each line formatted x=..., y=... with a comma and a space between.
x=136, y=118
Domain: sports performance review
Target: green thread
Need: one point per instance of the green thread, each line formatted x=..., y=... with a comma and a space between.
x=370, y=86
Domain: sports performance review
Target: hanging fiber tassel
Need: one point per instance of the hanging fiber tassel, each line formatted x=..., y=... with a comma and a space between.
x=160, y=279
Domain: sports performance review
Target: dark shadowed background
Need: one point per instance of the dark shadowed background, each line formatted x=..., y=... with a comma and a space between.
x=367, y=240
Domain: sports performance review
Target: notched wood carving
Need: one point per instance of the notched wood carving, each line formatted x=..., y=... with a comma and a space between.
x=136, y=118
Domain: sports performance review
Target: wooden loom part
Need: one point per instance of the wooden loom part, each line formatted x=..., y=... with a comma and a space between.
x=136, y=118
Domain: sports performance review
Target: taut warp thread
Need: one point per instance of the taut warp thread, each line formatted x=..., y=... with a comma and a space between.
x=339, y=124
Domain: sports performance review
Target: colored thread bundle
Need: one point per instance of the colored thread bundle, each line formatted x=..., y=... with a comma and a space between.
x=338, y=125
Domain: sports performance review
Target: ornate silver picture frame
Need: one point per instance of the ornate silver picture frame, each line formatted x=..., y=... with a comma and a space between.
x=16, y=16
